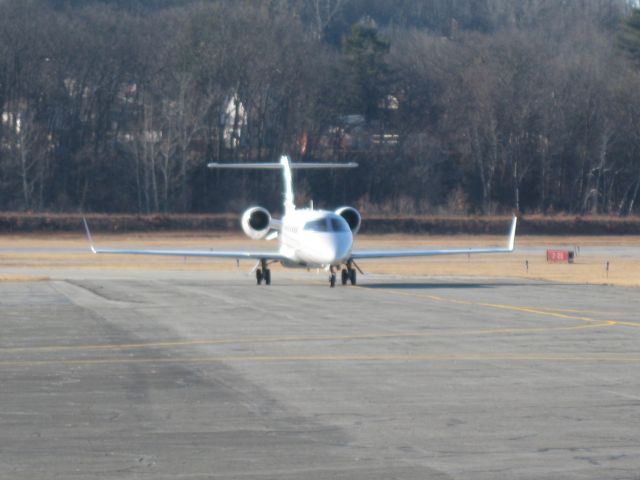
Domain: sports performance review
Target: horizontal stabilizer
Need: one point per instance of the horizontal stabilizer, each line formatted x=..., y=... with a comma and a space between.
x=279, y=166
x=286, y=166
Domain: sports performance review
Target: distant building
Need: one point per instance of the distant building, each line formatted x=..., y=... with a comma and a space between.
x=233, y=120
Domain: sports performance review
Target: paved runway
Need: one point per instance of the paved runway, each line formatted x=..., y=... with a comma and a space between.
x=205, y=375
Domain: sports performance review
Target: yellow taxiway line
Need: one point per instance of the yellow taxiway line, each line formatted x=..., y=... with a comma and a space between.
x=511, y=357
x=586, y=323
x=295, y=339
x=545, y=312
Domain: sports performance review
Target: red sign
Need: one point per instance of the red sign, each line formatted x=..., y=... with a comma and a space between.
x=559, y=256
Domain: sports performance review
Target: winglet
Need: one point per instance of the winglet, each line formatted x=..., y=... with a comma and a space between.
x=86, y=229
x=512, y=234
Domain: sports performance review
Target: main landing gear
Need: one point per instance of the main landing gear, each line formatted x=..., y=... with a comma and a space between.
x=263, y=273
x=348, y=274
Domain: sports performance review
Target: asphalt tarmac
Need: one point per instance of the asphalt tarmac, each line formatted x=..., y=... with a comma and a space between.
x=197, y=375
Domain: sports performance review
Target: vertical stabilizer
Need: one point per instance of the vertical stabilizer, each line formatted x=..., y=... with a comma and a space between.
x=289, y=206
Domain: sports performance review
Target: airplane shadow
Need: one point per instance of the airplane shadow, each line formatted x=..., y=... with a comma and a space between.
x=451, y=285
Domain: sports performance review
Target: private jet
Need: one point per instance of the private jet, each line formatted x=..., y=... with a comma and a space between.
x=308, y=238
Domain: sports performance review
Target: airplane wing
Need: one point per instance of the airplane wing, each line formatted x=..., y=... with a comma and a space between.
x=357, y=255
x=256, y=255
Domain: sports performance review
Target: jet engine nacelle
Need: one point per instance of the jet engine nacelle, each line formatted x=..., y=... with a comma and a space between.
x=256, y=222
x=352, y=217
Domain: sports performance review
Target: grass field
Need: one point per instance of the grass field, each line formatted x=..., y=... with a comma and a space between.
x=623, y=270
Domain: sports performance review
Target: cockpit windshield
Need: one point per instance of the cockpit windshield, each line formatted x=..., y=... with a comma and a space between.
x=339, y=225
x=327, y=225
x=317, y=225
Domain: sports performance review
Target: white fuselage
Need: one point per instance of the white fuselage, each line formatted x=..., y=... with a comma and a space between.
x=315, y=238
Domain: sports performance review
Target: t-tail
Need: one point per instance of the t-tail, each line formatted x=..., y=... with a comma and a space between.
x=289, y=205
x=286, y=165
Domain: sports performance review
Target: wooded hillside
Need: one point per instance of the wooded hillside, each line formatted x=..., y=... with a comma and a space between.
x=465, y=107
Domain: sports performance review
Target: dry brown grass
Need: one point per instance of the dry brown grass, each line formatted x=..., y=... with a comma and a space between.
x=23, y=278
x=587, y=269
x=23, y=222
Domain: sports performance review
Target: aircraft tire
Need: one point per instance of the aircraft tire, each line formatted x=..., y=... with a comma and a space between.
x=259, y=276
x=267, y=277
x=352, y=276
x=345, y=276
x=332, y=280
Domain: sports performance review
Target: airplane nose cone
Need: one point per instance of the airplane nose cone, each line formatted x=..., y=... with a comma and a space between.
x=329, y=249
x=343, y=248
x=338, y=249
